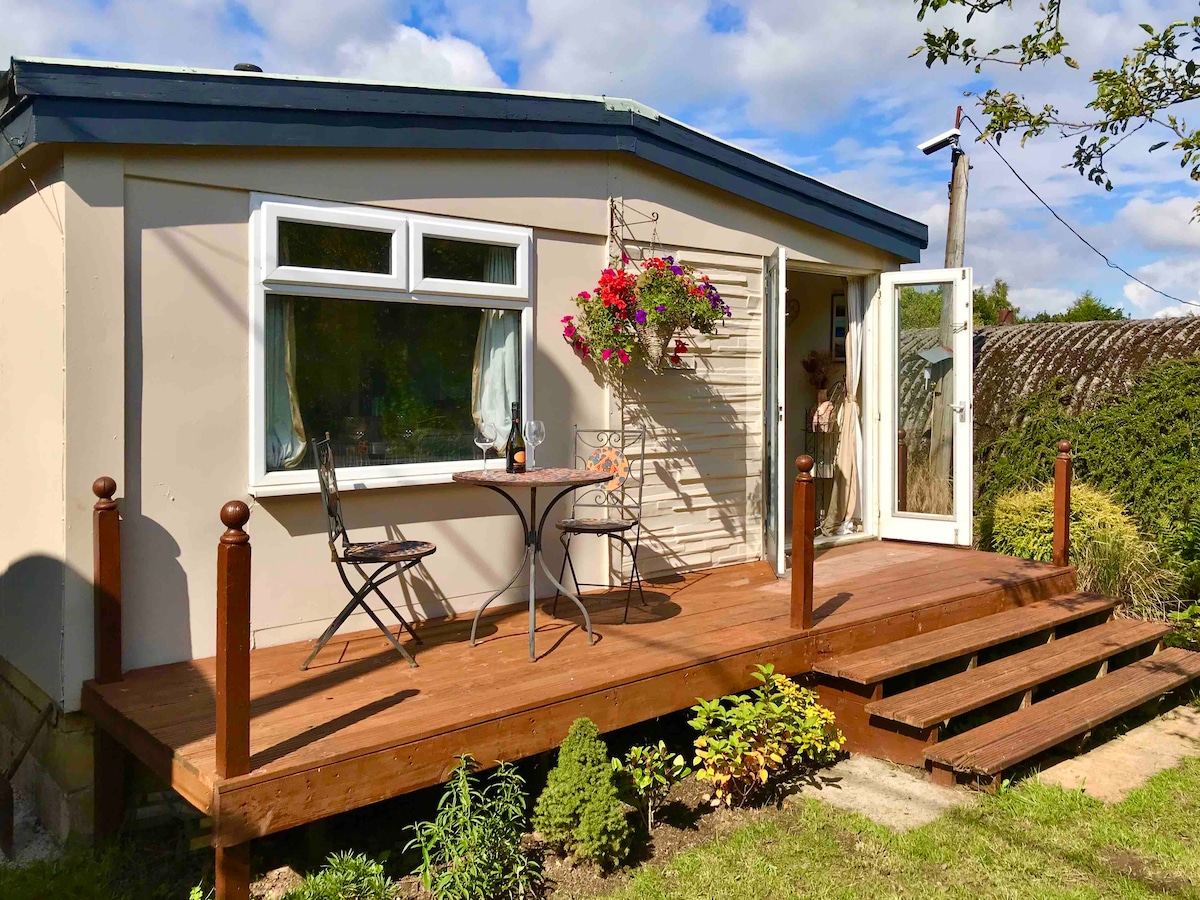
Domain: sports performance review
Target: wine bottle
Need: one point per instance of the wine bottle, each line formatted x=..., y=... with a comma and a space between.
x=515, y=451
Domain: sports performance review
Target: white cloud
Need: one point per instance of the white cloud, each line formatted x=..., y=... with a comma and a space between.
x=1178, y=276
x=1166, y=225
x=1171, y=312
x=410, y=55
x=1035, y=300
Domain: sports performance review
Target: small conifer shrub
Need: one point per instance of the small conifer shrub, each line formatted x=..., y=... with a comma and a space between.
x=580, y=812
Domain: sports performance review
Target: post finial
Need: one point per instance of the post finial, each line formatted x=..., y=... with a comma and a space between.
x=104, y=487
x=901, y=434
x=234, y=515
x=1064, y=447
x=804, y=464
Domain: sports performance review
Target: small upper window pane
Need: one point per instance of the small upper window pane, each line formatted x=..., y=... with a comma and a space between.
x=469, y=261
x=331, y=247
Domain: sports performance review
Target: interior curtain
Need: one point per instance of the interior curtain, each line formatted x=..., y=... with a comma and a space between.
x=286, y=441
x=844, y=504
x=495, y=377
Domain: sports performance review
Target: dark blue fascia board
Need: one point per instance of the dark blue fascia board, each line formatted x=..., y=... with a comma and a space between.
x=17, y=123
x=77, y=103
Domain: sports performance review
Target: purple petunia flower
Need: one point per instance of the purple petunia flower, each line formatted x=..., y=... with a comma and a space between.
x=676, y=270
x=661, y=308
x=640, y=316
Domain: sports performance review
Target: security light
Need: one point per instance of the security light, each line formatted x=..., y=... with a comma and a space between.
x=942, y=141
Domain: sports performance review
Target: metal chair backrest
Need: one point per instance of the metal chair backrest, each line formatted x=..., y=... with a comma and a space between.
x=622, y=452
x=330, y=498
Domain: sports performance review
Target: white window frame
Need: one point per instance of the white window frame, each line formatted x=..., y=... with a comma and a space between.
x=421, y=227
x=267, y=277
x=312, y=212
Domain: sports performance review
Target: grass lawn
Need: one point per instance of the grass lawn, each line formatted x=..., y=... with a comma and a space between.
x=1027, y=841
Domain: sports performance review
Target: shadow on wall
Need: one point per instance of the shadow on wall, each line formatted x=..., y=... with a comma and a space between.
x=697, y=465
x=31, y=617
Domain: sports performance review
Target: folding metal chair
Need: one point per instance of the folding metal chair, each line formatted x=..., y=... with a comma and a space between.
x=398, y=556
x=620, y=499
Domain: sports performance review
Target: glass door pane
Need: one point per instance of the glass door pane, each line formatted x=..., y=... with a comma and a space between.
x=925, y=399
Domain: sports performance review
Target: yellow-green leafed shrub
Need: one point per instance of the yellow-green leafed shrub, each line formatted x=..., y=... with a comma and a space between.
x=1110, y=554
x=746, y=741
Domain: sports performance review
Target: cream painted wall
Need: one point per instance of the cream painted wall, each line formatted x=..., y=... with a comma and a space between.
x=159, y=395
x=33, y=570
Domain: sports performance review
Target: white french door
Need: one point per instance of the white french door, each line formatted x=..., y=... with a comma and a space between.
x=774, y=472
x=926, y=413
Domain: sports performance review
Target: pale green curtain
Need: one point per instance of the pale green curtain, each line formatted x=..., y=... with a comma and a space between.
x=495, y=379
x=286, y=441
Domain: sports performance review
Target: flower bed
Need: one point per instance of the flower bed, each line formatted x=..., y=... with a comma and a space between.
x=642, y=318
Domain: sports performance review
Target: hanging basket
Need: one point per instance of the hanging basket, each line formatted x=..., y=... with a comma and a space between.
x=643, y=317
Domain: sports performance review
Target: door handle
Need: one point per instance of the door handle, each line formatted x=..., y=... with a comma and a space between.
x=961, y=408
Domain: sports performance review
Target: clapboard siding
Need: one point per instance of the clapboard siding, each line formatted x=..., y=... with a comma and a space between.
x=702, y=503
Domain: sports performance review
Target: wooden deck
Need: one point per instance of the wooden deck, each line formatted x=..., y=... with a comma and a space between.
x=360, y=726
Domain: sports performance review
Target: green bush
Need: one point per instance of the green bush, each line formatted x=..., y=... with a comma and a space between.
x=346, y=876
x=580, y=812
x=746, y=740
x=645, y=778
x=1109, y=553
x=1142, y=448
x=472, y=848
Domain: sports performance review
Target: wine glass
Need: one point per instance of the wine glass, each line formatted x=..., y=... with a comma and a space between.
x=485, y=436
x=535, y=433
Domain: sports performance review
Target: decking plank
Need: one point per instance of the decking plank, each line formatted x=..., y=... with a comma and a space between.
x=1005, y=742
x=926, y=706
x=902, y=657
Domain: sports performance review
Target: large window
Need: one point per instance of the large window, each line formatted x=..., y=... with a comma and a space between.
x=394, y=334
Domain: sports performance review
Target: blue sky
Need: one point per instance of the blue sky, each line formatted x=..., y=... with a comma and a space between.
x=826, y=88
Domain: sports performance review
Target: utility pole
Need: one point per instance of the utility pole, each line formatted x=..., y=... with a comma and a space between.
x=941, y=445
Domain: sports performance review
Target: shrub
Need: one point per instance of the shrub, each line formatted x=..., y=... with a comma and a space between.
x=646, y=777
x=746, y=739
x=1110, y=554
x=580, y=812
x=472, y=848
x=346, y=876
x=1141, y=448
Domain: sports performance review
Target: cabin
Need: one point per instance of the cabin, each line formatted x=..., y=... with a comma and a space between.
x=205, y=270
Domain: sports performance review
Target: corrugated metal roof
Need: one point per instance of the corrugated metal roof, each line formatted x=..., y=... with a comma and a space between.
x=1012, y=362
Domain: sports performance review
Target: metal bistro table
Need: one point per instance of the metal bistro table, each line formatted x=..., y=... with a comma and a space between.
x=565, y=479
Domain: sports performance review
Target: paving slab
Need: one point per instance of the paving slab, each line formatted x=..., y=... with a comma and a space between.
x=1109, y=772
x=891, y=795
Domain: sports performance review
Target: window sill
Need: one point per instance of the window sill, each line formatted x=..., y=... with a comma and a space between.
x=350, y=483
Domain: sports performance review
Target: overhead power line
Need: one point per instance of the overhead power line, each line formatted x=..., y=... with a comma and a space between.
x=1069, y=226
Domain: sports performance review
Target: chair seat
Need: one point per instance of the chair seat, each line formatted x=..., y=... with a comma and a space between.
x=387, y=551
x=596, y=526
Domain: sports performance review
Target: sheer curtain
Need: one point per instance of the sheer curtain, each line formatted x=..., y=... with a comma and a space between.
x=495, y=378
x=286, y=441
x=844, y=504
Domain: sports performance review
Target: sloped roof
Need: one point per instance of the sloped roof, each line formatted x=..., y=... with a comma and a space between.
x=1012, y=362
x=71, y=101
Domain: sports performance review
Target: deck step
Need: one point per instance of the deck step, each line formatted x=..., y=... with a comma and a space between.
x=999, y=745
x=926, y=706
x=909, y=654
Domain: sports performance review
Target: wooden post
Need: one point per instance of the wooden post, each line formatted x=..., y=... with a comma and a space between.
x=1062, y=505
x=109, y=759
x=901, y=472
x=233, y=643
x=233, y=684
x=804, y=523
x=106, y=581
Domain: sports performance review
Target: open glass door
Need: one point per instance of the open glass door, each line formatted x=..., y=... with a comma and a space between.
x=774, y=471
x=925, y=374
